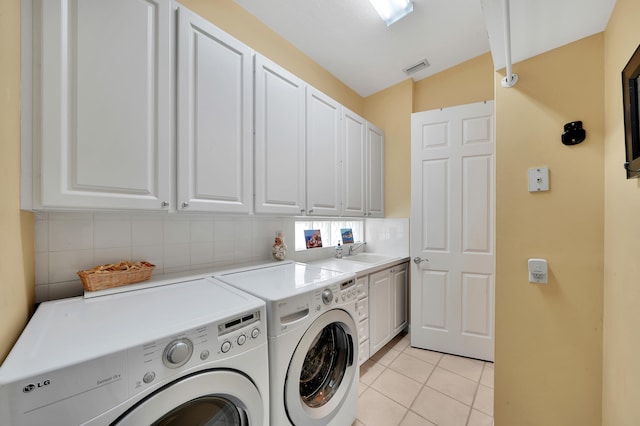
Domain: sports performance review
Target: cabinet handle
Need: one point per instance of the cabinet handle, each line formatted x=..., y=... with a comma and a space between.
x=301, y=210
x=310, y=210
x=185, y=205
x=164, y=204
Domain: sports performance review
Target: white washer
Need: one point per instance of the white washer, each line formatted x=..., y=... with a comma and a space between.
x=193, y=352
x=313, y=341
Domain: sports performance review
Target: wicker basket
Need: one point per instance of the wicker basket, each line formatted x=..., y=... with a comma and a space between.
x=100, y=278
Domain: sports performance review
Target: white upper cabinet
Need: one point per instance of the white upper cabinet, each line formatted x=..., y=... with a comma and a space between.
x=279, y=140
x=323, y=154
x=375, y=171
x=102, y=89
x=215, y=126
x=354, y=161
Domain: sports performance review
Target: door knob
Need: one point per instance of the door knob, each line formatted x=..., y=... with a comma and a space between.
x=417, y=260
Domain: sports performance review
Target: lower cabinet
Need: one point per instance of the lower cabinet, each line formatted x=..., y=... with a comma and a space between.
x=381, y=308
x=387, y=305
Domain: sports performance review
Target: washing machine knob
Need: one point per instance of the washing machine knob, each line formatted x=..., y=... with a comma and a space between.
x=327, y=296
x=255, y=333
x=177, y=353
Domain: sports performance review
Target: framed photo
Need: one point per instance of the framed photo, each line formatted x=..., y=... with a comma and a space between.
x=630, y=94
x=347, y=235
x=313, y=238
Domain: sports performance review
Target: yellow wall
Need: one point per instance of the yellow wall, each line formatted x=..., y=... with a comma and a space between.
x=621, y=369
x=469, y=82
x=16, y=245
x=549, y=337
x=232, y=18
x=390, y=109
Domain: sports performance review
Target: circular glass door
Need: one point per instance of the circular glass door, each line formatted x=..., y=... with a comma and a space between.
x=324, y=365
x=322, y=369
x=206, y=410
x=217, y=397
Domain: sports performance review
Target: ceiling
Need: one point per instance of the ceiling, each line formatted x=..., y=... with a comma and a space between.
x=348, y=38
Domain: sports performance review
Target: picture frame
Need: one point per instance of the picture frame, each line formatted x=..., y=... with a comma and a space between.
x=312, y=238
x=630, y=95
x=346, y=235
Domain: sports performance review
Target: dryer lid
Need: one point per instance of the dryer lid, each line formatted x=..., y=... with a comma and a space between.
x=69, y=331
x=277, y=282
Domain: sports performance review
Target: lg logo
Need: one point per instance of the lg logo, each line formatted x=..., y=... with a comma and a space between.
x=31, y=387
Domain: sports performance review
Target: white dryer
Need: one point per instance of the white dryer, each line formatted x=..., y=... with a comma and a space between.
x=313, y=341
x=193, y=352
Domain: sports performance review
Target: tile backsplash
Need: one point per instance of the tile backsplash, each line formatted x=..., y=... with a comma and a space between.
x=69, y=242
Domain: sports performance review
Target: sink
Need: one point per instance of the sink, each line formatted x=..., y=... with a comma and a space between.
x=367, y=258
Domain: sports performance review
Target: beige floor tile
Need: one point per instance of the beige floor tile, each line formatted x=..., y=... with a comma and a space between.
x=369, y=371
x=484, y=400
x=487, y=376
x=476, y=418
x=466, y=367
x=451, y=384
x=357, y=423
x=440, y=409
x=397, y=386
x=375, y=409
x=400, y=342
x=361, y=388
x=423, y=354
x=385, y=356
x=412, y=367
x=412, y=419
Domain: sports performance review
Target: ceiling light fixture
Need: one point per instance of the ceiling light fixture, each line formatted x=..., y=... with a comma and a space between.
x=392, y=10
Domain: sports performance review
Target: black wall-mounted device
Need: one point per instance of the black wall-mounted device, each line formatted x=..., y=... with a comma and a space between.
x=573, y=133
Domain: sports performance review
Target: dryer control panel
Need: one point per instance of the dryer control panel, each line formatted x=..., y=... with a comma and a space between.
x=336, y=294
x=205, y=346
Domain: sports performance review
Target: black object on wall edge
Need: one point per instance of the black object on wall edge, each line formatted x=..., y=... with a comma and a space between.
x=573, y=133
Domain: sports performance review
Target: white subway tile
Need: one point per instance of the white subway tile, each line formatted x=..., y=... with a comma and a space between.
x=176, y=230
x=64, y=265
x=146, y=230
x=111, y=230
x=73, y=231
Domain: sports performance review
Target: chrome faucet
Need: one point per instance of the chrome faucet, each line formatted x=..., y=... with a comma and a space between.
x=355, y=246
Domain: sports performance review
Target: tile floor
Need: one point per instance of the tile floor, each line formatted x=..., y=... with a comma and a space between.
x=405, y=386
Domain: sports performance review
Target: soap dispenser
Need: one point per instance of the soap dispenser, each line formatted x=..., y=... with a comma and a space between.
x=339, y=251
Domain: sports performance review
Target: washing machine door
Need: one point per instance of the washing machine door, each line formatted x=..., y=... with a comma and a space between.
x=322, y=370
x=218, y=397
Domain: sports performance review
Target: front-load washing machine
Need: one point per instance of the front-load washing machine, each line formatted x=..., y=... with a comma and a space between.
x=313, y=342
x=188, y=353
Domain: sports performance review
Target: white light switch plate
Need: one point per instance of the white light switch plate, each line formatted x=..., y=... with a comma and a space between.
x=538, y=179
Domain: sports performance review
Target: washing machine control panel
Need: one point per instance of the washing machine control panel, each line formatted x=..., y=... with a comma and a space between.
x=159, y=361
x=344, y=292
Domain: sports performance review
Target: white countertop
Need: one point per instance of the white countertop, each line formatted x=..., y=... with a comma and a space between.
x=351, y=263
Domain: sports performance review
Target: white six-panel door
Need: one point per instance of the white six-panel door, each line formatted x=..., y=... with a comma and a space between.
x=452, y=230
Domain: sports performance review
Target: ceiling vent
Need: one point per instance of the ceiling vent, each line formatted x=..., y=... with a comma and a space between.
x=416, y=67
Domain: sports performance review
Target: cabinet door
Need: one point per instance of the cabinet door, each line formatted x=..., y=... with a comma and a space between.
x=375, y=174
x=279, y=139
x=353, y=164
x=380, y=299
x=105, y=91
x=215, y=126
x=323, y=154
x=399, y=275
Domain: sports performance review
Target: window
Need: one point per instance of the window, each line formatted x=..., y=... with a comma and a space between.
x=329, y=231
